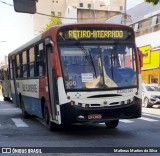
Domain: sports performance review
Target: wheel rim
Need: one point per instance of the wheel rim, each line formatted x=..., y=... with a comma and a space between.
x=145, y=102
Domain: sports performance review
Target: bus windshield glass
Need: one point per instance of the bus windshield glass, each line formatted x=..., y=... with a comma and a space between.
x=98, y=66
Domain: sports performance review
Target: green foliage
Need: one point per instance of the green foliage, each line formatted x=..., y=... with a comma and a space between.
x=53, y=21
x=152, y=2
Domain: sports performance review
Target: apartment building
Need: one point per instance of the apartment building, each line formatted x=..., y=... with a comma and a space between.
x=145, y=20
x=71, y=9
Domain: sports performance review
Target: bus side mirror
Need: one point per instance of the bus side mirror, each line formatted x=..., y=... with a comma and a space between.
x=25, y=6
x=49, y=44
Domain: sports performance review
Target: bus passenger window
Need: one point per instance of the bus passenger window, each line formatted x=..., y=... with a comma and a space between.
x=10, y=69
x=31, y=62
x=24, y=64
x=18, y=66
x=40, y=57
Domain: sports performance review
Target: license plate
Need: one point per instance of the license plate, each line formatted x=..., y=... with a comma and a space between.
x=94, y=116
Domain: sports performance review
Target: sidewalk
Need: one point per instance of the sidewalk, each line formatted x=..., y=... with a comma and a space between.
x=6, y=104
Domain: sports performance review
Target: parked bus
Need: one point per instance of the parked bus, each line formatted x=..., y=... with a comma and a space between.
x=78, y=73
x=5, y=83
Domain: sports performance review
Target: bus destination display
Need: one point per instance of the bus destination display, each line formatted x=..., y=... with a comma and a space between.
x=92, y=34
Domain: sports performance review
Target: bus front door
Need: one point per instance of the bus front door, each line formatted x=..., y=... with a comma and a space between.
x=52, y=88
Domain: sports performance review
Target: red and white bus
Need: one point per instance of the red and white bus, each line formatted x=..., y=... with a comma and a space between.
x=78, y=73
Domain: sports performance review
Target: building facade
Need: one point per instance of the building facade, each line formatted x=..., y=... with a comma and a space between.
x=75, y=11
x=145, y=20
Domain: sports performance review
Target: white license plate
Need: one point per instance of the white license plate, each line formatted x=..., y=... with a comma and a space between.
x=94, y=116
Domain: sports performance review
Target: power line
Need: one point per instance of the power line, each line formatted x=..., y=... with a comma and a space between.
x=66, y=17
x=52, y=15
x=6, y=3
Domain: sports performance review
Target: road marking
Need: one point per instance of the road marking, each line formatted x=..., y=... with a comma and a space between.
x=19, y=122
x=126, y=121
x=148, y=119
x=152, y=115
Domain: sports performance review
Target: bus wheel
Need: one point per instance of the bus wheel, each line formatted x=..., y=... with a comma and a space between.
x=112, y=123
x=50, y=125
x=24, y=113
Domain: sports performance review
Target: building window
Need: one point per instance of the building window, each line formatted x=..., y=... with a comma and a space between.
x=121, y=8
x=136, y=27
x=154, y=20
x=89, y=6
x=59, y=14
x=53, y=13
x=81, y=4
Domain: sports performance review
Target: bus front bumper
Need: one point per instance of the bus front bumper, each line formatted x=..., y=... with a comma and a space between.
x=73, y=114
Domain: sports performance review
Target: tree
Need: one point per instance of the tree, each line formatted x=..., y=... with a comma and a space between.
x=53, y=21
x=153, y=2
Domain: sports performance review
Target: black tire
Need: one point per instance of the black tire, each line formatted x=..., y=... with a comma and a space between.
x=112, y=123
x=50, y=125
x=24, y=113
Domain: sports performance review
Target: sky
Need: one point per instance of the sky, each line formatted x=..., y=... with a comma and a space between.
x=16, y=28
x=132, y=3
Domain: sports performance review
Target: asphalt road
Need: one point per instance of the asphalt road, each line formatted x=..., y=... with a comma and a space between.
x=87, y=139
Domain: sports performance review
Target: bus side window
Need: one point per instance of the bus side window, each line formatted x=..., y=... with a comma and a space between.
x=40, y=57
x=18, y=65
x=31, y=62
x=24, y=64
x=10, y=69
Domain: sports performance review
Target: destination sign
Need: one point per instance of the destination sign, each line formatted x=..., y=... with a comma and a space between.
x=92, y=34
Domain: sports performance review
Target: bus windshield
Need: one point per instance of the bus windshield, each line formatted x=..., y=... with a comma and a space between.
x=98, y=66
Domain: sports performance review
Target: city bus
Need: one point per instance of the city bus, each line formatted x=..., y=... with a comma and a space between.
x=78, y=73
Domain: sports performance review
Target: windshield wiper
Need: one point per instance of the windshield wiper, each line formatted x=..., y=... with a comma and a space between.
x=88, y=57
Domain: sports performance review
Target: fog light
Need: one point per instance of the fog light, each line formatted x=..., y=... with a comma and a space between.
x=68, y=97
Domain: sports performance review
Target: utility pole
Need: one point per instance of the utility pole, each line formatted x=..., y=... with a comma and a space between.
x=125, y=14
x=125, y=17
x=93, y=1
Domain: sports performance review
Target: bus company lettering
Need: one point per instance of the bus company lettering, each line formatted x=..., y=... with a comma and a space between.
x=125, y=91
x=76, y=34
x=29, y=88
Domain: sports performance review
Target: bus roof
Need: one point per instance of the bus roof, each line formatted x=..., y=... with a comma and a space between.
x=57, y=27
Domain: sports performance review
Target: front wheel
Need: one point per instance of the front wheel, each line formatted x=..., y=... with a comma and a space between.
x=48, y=123
x=112, y=123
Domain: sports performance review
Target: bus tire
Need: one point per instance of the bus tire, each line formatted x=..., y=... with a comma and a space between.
x=48, y=123
x=112, y=123
x=24, y=113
